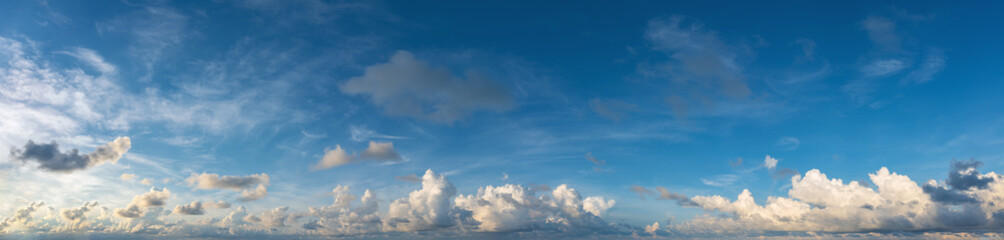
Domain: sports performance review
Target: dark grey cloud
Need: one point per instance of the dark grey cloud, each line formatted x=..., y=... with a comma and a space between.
x=964, y=176
x=942, y=194
x=406, y=86
x=50, y=158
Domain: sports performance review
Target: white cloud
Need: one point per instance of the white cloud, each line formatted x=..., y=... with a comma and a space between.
x=770, y=162
x=333, y=158
x=381, y=151
x=428, y=208
x=376, y=151
x=127, y=176
x=405, y=86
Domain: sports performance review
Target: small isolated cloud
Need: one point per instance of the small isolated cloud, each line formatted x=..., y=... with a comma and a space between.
x=788, y=143
x=244, y=184
x=333, y=158
x=146, y=181
x=594, y=160
x=409, y=87
x=770, y=162
x=376, y=151
x=51, y=159
x=381, y=151
x=194, y=208
x=127, y=176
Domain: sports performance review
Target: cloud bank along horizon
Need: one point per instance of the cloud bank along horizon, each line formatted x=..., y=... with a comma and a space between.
x=316, y=119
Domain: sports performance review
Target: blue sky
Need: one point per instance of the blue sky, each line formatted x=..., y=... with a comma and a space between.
x=321, y=119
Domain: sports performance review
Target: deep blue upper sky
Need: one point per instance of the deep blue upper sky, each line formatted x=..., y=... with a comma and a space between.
x=604, y=97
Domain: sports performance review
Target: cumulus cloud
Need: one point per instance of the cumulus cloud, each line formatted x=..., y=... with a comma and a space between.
x=424, y=209
x=770, y=162
x=381, y=151
x=896, y=203
x=409, y=87
x=343, y=218
x=237, y=183
x=154, y=198
x=333, y=158
x=515, y=208
x=127, y=176
x=22, y=216
x=50, y=158
x=376, y=151
x=194, y=208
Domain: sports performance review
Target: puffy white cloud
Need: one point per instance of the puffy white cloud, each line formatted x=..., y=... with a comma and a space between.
x=381, y=151
x=515, y=208
x=50, y=158
x=333, y=158
x=376, y=151
x=424, y=209
x=406, y=86
x=127, y=176
x=597, y=205
x=770, y=162
x=818, y=203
